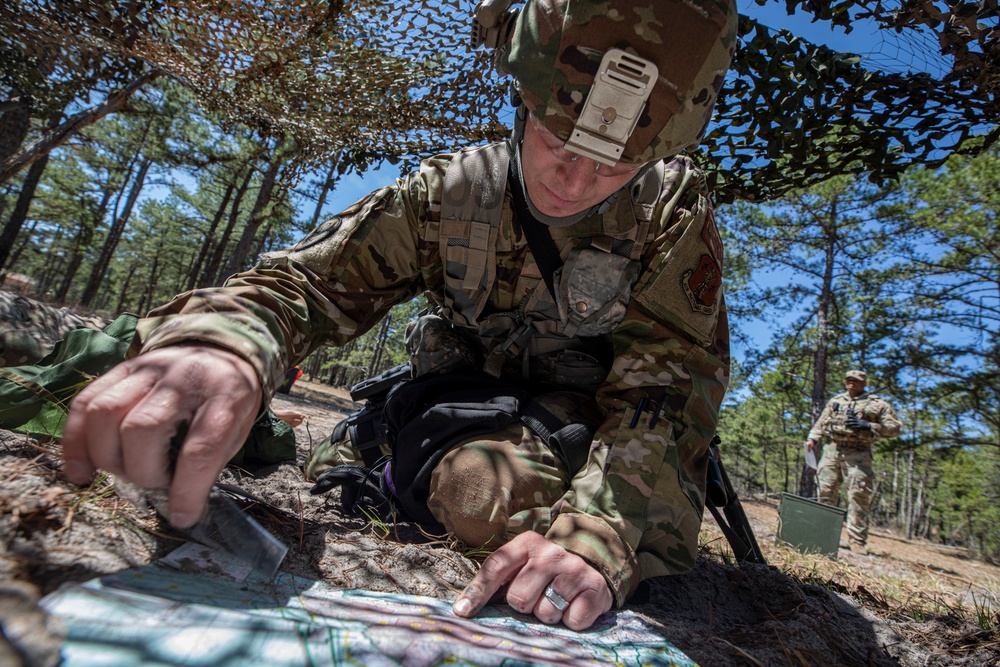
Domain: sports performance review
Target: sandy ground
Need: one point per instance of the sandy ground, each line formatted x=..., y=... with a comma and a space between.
x=803, y=611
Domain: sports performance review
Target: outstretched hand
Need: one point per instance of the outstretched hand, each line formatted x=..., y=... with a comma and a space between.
x=530, y=564
x=124, y=420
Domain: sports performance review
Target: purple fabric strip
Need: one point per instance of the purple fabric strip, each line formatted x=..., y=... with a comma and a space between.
x=387, y=474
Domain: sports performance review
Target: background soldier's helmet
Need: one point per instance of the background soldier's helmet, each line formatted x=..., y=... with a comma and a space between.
x=556, y=51
x=857, y=375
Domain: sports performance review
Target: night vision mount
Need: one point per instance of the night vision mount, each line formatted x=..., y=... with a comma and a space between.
x=617, y=98
x=621, y=88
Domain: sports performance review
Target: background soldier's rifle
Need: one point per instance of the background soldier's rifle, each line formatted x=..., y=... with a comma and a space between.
x=720, y=495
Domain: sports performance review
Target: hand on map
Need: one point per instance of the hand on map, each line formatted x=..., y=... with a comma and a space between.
x=529, y=564
x=124, y=420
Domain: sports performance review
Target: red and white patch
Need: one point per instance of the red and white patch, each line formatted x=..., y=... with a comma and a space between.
x=702, y=284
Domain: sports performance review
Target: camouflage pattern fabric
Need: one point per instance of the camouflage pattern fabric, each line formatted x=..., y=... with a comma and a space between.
x=832, y=421
x=854, y=466
x=29, y=329
x=635, y=508
x=488, y=491
x=691, y=42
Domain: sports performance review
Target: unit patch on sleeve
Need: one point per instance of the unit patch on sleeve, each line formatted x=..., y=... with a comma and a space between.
x=702, y=283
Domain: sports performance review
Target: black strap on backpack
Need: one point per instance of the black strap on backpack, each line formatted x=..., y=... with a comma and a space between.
x=427, y=417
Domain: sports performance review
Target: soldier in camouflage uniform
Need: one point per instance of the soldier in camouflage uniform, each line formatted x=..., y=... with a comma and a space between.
x=634, y=342
x=853, y=420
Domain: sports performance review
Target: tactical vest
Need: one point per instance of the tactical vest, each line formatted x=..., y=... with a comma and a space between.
x=538, y=339
x=865, y=406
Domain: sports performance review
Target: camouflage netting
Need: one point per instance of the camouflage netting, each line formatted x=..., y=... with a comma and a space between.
x=397, y=79
x=797, y=113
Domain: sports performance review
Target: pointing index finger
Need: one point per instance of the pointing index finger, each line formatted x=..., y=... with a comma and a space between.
x=497, y=570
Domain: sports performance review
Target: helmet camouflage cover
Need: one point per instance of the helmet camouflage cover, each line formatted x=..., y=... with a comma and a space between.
x=557, y=47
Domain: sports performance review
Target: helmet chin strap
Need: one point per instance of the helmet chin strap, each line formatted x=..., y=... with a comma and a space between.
x=514, y=147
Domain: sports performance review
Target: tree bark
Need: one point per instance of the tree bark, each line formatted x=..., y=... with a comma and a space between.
x=123, y=293
x=807, y=483
x=20, y=212
x=154, y=276
x=114, y=236
x=328, y=184
x=58, y=135
x=238, y=258
x=82, y=241
x=197, y=267
x=15, y=121
x=210, y=276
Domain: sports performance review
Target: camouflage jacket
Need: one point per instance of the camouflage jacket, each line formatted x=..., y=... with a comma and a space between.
x=870, y=407
x=634, y=510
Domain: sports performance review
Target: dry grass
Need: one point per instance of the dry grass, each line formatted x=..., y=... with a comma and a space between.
x=909, y=582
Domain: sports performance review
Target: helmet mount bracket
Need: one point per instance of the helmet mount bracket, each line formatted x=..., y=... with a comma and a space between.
x=623, y=83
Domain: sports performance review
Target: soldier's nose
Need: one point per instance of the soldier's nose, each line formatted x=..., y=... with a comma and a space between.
x=577, y=176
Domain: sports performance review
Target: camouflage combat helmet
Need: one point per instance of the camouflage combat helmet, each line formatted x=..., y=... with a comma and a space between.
x=675, y=52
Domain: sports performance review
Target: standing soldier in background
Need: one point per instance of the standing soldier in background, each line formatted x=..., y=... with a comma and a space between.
x=853, y=420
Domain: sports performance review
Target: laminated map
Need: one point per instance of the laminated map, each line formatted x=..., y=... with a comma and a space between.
x=195, y=608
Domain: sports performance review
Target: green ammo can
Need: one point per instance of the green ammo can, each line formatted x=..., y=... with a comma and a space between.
x=810, y=526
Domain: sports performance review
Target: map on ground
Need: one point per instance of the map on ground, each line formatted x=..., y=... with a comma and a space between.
x=194, y=608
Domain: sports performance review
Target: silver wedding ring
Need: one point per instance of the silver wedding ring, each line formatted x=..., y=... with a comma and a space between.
x=558, y=601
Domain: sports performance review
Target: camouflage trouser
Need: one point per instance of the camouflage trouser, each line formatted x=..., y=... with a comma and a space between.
x=856, y=466
x=330, y=453
x=487, y=491
x=491, y=488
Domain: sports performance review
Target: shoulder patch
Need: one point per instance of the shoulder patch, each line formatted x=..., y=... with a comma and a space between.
x=701, y=284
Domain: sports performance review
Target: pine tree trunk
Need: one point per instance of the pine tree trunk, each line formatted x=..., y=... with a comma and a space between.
x=238, y=258
x=97, y=275
x=328, y=184
x=20, y=213
x=211, y=275
x=123, y=292
x=80, y=242
x=154, y=276
x=58, y=135
x=807, y=483
x=197, y=267
x=15, y=121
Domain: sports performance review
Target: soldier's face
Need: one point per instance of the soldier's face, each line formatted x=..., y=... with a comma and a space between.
x=560, y=183
x=855, y=387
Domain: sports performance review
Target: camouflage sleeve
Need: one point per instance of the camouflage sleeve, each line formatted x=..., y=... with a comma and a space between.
x=888, y=424
x=29, y=329
x=635, y=510
x=334, y=285
x=820, y=427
